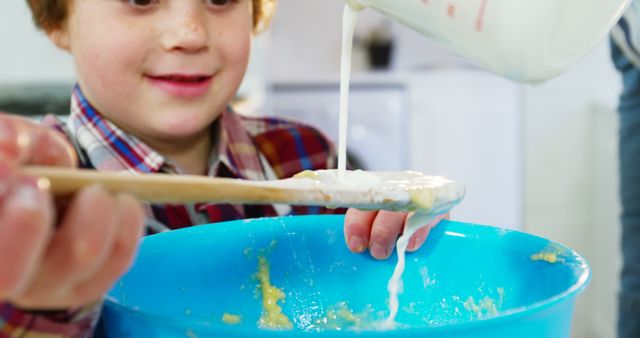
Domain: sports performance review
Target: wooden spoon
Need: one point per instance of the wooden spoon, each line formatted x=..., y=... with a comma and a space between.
x=364, y=190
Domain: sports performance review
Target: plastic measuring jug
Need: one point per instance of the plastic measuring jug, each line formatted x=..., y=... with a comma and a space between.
x=524, y=40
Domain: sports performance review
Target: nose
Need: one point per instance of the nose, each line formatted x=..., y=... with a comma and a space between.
x=186, y=30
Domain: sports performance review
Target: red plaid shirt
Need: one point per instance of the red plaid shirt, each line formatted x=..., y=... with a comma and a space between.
x=245, y=147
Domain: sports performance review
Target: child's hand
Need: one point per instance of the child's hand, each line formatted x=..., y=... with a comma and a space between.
x=43, y=267
x=379, y=230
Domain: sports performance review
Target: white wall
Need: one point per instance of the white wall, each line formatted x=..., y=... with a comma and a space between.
x=571, y=177
x=467, y=124
x=307, y=40
x=26, y=55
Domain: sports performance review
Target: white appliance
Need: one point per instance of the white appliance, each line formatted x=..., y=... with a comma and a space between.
x=463, y=123
x=378, y=118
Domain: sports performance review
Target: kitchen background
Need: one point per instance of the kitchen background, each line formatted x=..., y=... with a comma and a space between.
x=536, y=158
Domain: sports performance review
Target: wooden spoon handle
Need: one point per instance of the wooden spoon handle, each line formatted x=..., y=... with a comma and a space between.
x=166, y=188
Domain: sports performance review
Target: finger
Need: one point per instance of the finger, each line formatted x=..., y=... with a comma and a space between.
x=420, y=236
x=24, y=142
x=25, y=227
x=357, y=229
x=80, y=245
x=51, y=148
x=386, y=228
x=130, y=221
x=12, y=142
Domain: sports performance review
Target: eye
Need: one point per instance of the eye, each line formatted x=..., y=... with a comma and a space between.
x=142, y=3
x=219, y=3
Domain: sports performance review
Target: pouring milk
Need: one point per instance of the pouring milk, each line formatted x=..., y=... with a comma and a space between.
x=523, y=40
x=452, y=193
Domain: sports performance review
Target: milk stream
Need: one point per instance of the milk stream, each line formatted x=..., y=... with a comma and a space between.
x=350, y=18
x=395, y=283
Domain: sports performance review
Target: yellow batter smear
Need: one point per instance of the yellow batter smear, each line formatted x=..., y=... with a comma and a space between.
x=307, y=174
x=550, y=255
x=341, y=317
x=231, y=319
x=272, y=316
x=423, y=198
x=486, y=307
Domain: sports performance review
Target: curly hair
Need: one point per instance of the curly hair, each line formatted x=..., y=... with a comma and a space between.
x=50, y=15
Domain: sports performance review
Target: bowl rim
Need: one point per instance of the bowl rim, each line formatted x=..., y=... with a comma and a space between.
x=581, y=283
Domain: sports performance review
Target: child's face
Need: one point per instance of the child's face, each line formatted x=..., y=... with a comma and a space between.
x=160, y=69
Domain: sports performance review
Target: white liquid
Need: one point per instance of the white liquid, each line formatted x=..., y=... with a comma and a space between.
x=395, y=283
x=373, y=190
x=429, y=196
x=349, y=20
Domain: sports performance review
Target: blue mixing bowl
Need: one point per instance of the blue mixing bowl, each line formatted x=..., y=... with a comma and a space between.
x=468, y=281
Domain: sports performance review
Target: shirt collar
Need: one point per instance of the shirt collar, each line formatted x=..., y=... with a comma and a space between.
x=237, y=149
x=109, y=148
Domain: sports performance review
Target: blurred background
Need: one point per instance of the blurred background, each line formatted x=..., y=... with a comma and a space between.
x=541, y=159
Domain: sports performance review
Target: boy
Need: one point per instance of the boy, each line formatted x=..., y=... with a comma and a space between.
x=155, y=78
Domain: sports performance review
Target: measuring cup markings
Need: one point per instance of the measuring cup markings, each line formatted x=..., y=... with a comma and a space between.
x=451, y=10
x=480, y=20
x=526, y=41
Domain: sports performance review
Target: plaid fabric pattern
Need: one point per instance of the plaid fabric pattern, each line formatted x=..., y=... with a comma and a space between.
x=47, y=324
x=244, y=147
x=289, y=153
x=108, y=147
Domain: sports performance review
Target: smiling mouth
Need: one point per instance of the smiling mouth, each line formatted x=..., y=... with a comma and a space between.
x=185, y=86
x=187, y=79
